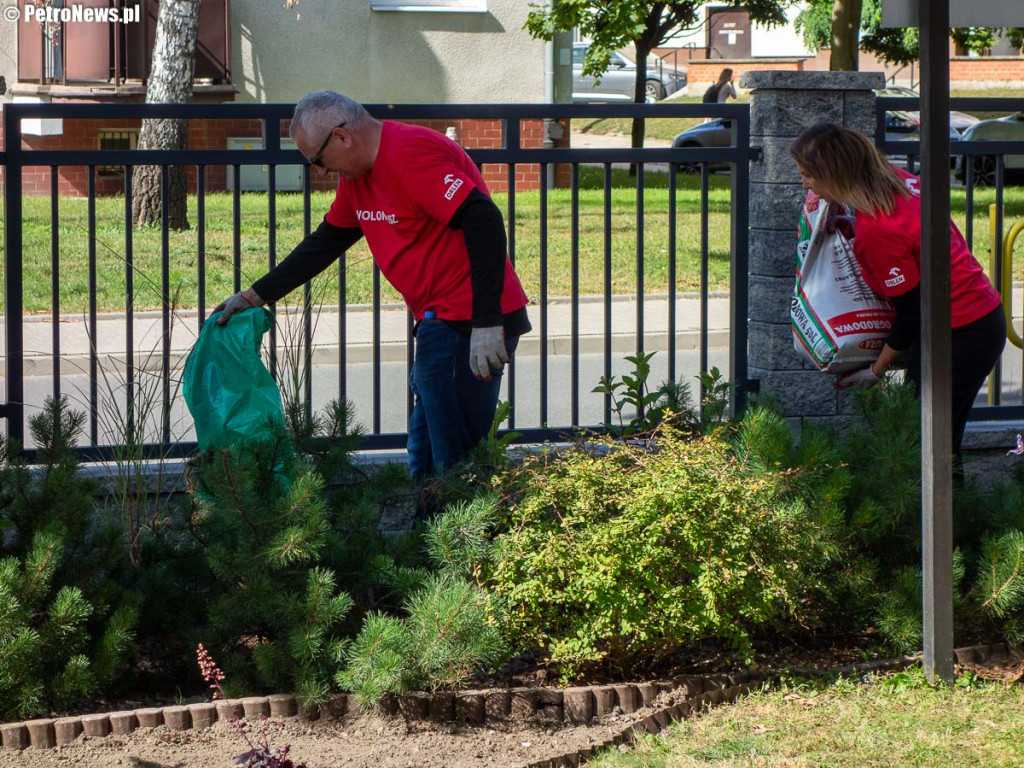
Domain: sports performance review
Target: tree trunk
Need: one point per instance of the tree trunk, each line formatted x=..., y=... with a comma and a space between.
x=170, y=82
x=639, y=97
x=845, y=36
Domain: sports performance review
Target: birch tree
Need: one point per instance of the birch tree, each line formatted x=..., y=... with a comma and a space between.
x=170, y=82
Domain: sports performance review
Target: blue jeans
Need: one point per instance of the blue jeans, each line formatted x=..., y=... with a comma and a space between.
x=452, y=410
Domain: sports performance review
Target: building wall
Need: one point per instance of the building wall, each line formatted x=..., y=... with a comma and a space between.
x=8, y=54
x=279, y=54
x=778, y=41
x=986, y=71
x=73, y=181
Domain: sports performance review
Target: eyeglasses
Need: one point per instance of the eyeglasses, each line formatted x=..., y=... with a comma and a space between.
x=318, y=157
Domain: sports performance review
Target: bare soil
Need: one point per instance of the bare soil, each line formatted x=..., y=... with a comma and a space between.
x=372, y=740
x=362, y=740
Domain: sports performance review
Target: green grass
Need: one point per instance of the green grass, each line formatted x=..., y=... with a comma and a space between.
x=897, y=721
x=254, y=245
x=255, y=234
x=986, y=93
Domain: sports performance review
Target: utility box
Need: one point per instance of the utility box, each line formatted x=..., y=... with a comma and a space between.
x=255, y=178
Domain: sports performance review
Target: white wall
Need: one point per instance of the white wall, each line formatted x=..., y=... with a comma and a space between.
x=373, y=56
x=777, y=41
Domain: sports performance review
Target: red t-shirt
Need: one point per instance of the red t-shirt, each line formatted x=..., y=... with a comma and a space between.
x=888, y=249
x=403, y=206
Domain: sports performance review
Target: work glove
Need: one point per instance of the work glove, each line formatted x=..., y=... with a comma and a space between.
x=862, y=379
x=241, y=300
x=487, y=351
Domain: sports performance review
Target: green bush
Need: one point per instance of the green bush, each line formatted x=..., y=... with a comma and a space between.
x=446, y=631
x=66, y=626
x=620, y=554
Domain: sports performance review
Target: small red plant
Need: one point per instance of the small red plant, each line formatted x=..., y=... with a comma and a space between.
x=260, y=754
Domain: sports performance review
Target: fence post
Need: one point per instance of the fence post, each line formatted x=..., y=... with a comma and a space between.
x=14, y=341
x=782, y=105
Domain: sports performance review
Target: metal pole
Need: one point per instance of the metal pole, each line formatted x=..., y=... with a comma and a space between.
x=936, y=373
x=14, y=409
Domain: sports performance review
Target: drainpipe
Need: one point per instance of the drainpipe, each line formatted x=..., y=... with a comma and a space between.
x=549, y=98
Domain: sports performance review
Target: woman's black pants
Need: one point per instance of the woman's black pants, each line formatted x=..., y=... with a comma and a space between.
x=976, y=349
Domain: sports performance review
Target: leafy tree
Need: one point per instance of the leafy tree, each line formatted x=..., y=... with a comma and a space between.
x=841, y=23
x=645, y=24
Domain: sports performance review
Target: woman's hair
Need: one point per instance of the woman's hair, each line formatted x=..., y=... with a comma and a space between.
x=318, y=112
x=725, y=77
x=848, y=167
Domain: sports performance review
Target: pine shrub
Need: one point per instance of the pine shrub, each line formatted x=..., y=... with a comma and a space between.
x=66, y=627
x=296, y=562
x=445, y=631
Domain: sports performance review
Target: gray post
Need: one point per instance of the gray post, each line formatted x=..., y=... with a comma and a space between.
x=936, y=364
x=782, y=105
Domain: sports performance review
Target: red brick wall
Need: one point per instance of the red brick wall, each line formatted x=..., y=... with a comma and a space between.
x=1007, y=70
x=964, y=71
x=213, y=134
x=701, y=74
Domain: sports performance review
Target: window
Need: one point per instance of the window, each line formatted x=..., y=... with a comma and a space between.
x=447, y=6
x=121, y=138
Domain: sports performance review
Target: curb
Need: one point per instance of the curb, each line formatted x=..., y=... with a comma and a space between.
x=582, y=705
x=41, y=364
x=48, y=733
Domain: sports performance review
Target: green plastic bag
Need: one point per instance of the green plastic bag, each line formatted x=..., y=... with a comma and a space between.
x=229, y=391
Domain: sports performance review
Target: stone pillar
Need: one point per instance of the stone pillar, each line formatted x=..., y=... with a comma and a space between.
x=782, y=105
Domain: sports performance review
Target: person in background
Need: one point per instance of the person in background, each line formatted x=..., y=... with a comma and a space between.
x=843, y=166
x=723, y=90
x=439, y=239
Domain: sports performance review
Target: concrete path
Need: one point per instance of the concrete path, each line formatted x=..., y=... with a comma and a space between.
x=76, y=339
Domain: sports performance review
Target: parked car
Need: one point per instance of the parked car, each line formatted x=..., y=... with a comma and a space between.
x=899, y=126
x=906, y=126
x=958, y=121
x=618, y=82
x=1009, y=128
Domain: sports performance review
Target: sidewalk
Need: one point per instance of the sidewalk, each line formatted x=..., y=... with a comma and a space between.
x=111, y=333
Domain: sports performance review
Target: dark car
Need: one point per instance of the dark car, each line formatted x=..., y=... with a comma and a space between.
x=899, y=126
x=619, y=81
x=958, y=121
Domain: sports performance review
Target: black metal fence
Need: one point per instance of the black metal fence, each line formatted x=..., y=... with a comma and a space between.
x=986, y=167
x=146, y=386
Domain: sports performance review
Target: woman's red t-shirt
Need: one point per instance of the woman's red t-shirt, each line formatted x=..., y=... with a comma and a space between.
x=888, y=250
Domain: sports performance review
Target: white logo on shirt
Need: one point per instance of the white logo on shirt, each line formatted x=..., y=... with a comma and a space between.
x=453, y=186
x=912, y=186
x=896, y=278
x=390, y=218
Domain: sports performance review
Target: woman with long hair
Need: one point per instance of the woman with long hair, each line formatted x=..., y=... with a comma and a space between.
x=724, y=88
x=844, y=167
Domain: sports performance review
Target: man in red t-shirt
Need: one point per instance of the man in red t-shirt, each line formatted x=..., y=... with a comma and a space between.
x=438, y=238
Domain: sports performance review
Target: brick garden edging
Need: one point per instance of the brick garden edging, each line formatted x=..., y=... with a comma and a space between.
x=574, y=706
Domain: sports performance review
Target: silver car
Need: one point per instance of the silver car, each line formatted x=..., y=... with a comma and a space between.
x=1009, y=128
x=618, y=82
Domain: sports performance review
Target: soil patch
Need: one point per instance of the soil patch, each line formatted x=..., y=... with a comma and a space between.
x=362, y=740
